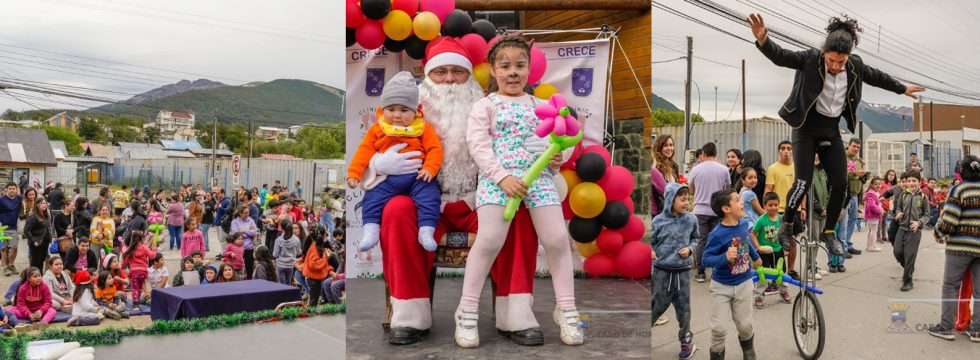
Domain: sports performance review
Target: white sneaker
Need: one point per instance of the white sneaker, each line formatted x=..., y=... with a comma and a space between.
x=467, y=334
x=875, y=249
x=662, y=320
x=817, y=276
x=568, y=322
x=821, y=271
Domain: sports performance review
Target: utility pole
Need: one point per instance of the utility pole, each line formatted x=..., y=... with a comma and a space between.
x=687, y=99
x=932, y=142
x=214, y=152
x=248, y=162
x=903, y=123
x=716, y=103
x=745, y=134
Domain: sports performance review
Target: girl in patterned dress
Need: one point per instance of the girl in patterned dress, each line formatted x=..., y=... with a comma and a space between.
x=499, y=125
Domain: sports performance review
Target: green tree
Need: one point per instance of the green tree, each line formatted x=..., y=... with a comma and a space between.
x=90, y=130
x=151, y=135
x=123, y=133
x=234, y=136
x=72, y=141
x=663, y=117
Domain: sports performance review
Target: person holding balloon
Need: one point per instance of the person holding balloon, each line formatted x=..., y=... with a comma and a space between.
x=400, y=123
x=674, y=236
x=498, y=127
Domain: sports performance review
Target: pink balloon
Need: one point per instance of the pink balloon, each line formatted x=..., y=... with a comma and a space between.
x=609, y=242
x=492, y=41
x=354, y=15
x=634, y=260
x=410, y=7
x=599, y=265
x=538, y=65
x=618, y=183
x=598, y=149
x=633, y=230
x=370, y=34
x=544, y=128
x=476, y=48
x=441, y=8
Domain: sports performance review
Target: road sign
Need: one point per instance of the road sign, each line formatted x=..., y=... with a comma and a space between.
x=236, y=168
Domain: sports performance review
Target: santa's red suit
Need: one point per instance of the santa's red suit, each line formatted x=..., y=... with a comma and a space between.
x=408, y=267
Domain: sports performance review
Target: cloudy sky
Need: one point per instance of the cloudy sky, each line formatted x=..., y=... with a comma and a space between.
x=927, y=37
x=67, y=42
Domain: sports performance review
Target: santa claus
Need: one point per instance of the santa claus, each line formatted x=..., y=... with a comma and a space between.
x=446, y=95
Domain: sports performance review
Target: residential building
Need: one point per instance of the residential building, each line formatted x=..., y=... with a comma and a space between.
x=63, y=121
x=170, y=122
x=24, y=151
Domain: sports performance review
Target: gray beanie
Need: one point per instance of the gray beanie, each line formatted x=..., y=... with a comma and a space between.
x=401, y=90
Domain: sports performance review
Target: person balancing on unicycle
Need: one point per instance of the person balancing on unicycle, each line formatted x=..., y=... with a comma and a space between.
x=826, y=87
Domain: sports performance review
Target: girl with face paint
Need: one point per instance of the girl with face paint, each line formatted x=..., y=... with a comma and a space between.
x=497, y=129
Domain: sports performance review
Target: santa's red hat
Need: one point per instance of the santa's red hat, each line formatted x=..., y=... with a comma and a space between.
x=444, y=51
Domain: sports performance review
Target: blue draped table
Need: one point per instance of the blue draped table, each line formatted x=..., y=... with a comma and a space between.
x=224, y=298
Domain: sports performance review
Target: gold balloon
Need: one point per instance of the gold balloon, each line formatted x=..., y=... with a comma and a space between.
x=571, y=178
x=482, y=74
x=397, y=25
x=587, y=200
x=426, y=25
x=587, y=249
x=544, y=91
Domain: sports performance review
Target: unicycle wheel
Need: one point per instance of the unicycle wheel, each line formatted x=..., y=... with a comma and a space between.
x=808, y=325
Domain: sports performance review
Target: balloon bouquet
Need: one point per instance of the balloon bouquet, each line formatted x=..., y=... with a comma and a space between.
x=156, y=226
x=411, y=25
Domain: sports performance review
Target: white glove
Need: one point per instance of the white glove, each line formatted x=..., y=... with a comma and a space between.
x=391, y=162
x=535, y=145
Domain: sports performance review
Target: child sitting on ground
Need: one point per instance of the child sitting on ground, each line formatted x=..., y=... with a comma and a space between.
x=157, y=277
x=265, y=268
x=33, y=301
x=770, y=250
x=187, y=275
x=109, y=298
x=234, y=253
x=399, y=124
x=675, y=235
x=732, y=256
x=210, y=274
x=86, y=311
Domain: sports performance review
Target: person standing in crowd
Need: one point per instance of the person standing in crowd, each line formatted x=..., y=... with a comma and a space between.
x=222, y=207
x=912, y=213
x=706, y=179
x=664, y=171
x=890, y=180
x=244, y=224
x=102, y=229
x=120, y=200
x=753, y=159
x=733, y=159
x=207, y=218
x=957, y=228
x=37, y=230
x=326, y=205
x=65, y=224
x=56, y=199
x=175, y=221
x=856, y=177
x=780, y=177
x=11, y=204
x=913, y=163
x=103, y=199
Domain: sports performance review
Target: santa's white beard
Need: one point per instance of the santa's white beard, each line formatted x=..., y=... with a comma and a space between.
x=447, y=108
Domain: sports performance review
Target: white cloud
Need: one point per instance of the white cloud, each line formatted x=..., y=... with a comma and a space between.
x=261, y=41
x=942, y=27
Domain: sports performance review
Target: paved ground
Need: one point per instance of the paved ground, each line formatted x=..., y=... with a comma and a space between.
x=320, y=337
x=171, y=259
x=617, y=312
x=856, y=307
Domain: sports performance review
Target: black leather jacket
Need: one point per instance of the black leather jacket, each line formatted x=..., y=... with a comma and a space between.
x=809, y=81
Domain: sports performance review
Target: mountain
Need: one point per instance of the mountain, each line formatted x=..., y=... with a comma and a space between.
x=659, y=102
x=164, y=91
x=279, y=103
x=883, y=118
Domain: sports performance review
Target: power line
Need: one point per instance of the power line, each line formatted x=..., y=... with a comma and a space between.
x=667, y=61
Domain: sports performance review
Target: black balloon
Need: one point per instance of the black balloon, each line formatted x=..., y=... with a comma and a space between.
x=350, y=37
x=457, y=24
x=485, y=29
x=590, y=167
x=415, y=47
x=615, y=215
x=584, y=230
x=394, y=45
x=375, y=9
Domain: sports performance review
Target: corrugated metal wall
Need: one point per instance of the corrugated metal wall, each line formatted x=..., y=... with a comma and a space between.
x=881, y=156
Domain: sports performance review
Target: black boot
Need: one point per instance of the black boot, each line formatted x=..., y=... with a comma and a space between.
x=717, y=355
x=833, y=245
x=527, y=337
x=748, y=351
x=406, y=336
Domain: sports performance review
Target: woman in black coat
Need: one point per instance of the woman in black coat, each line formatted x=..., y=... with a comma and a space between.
x=38, y=232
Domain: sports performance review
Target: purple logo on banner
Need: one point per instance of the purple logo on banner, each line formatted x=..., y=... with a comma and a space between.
x=582, y=81
x=375, y=82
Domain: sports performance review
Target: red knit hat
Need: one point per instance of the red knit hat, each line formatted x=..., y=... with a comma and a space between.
x=443, y=51
x=82, y=277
